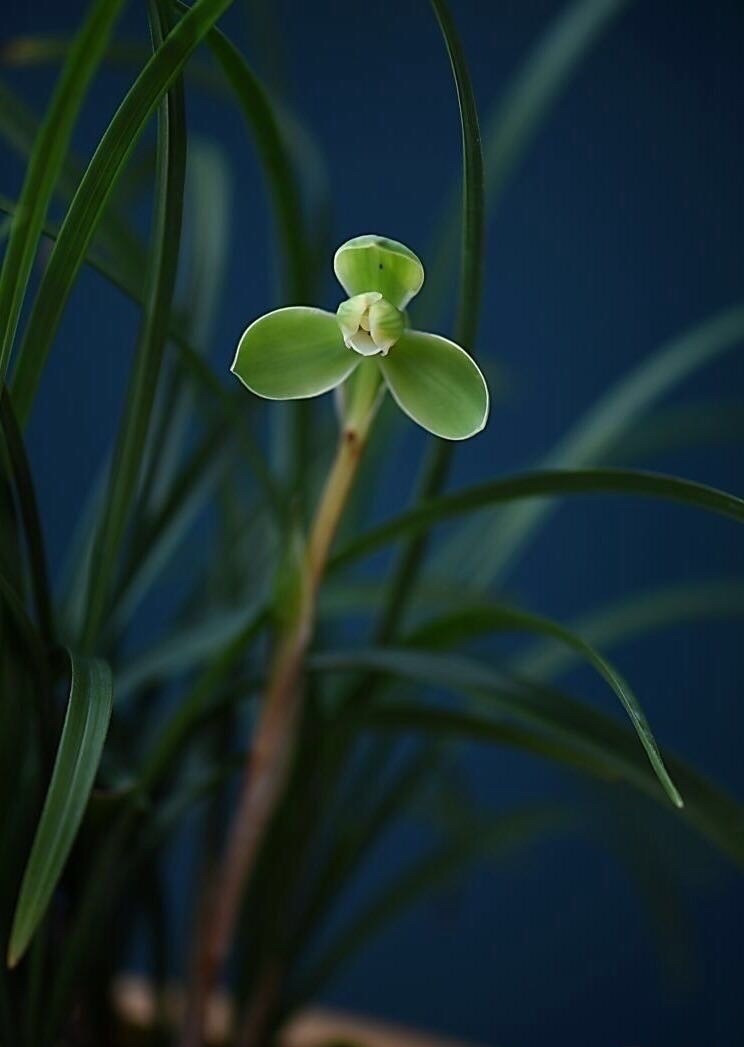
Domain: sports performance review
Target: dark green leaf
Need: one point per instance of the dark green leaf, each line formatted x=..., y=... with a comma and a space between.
x=467, y=623
x=540, y=721
x=30, y=515
x=541, y=484
x=520, y=114
x=436, y=466
x=96, y=186
x=78, y=756
x=636, y=615
x=45, y=164
x=152, y=338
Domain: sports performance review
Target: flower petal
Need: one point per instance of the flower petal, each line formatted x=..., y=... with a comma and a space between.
x=437, y=384
x=374, y=263
x=293, y=353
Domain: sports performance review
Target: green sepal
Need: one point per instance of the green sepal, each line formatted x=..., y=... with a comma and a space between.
x=293, y=353
x=437, y=384
x=374, y=263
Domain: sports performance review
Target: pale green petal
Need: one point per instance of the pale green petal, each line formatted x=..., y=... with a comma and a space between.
x=386, y=324
x=293, y=353
x=374, y=263
x=437, y=384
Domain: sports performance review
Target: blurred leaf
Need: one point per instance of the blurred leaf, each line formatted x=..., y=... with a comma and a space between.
x=436, y=869
x=259, y=113
x=185, y=648
x=682, y=426
x=96, y=187
x=540, y=484
x=39, y=50
x=153, y=334
x=591, y=439
x=546, y=723
x=78, y=756
x=450, y=629
x=45, y=163
x=359, y=828
x=513, y=125
x=206, y=236
x=157, y=539
x=619, y=621
x=20, y=128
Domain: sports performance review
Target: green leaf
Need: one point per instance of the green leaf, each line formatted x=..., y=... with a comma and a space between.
x=96, y=187
x=373, y=263
x=540, y=485
x=78, y=756
x=152, y=337
x=513, y=124
x=276, y=160
x=435, y=468
x=469, y=623
x=30, y=515
x=638, y=614
x=20, y=128
x=45, y=164
x=540, y=721
x=293, y=353
x=593, y=438
x=437, y=384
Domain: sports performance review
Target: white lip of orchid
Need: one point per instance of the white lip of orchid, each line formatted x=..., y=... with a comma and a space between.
x=370, y=324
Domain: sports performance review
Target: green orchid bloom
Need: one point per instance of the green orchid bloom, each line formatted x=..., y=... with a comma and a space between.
x=298, y=352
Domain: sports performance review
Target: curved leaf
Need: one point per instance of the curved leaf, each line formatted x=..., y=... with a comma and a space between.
x=436, y=465
x=636, y=615
x=78, y=756
x=512, y=125
x=160, y=284
x=45, y=163
x=540, y=485
x=540, y=721
x=470, y=622
x=96, y=186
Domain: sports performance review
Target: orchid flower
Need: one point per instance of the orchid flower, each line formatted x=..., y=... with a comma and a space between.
x=298, y=352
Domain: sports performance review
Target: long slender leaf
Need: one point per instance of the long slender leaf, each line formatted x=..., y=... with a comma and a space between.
x=469, y=623
x=592, y=439
x=97, y=185
x=213, y=393
x=44, y=166
x=78, y=756
x=153, y=334
x=541, y=484
x=520, y=113
x=20, y=127
x=540, y=721
x=655, y=609
x=437, y=463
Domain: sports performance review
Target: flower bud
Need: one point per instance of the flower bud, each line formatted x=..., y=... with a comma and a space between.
x=369, y=323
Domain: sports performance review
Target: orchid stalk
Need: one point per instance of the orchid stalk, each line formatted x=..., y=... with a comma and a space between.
x=363, y=350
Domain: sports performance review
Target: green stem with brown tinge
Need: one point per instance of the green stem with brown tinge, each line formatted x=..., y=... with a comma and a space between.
x=273, y=742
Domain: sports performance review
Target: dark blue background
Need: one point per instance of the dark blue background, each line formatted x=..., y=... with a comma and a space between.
x=624, y=226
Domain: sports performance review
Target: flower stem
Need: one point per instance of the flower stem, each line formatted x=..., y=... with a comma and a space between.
x=273, y=742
